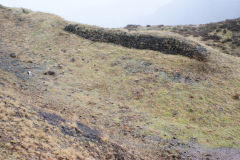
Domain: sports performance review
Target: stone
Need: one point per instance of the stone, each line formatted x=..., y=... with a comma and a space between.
x=25, y=11
x=149, y=123
x=29, y=73
x=115, y=63
x=13, y=55
x=147, y=63
x=73, y=60
x=20, y=19
x=175, y=113
x=51, y=73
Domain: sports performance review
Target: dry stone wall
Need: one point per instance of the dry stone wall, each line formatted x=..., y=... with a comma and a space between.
x=167, y=45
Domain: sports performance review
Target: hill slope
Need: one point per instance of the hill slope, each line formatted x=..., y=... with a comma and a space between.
x=65, y=97
x=224, y=36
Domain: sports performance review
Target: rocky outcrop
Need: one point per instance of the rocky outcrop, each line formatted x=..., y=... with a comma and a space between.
x=168, y=45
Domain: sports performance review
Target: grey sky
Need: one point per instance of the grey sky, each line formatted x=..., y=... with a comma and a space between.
x=118, y=13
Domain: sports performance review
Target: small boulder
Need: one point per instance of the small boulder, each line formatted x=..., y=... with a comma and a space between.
x=29, y=73
x=13, y=55
x=51, y=73
x=73, y=60
x=175, y=113
x=20, y=19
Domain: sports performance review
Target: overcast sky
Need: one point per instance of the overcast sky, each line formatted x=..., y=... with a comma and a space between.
x=119, y=13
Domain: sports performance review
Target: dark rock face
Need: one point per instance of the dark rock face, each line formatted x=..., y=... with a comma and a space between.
x=168, y=45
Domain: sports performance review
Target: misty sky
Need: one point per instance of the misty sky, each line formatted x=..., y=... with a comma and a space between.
x=119, y=13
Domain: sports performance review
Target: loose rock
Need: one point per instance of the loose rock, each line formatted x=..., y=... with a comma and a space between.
x=13, y=55
x=51, y=73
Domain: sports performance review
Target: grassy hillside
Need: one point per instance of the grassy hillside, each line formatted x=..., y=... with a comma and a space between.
x=224, y=36
x=66, y=97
